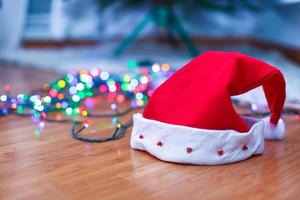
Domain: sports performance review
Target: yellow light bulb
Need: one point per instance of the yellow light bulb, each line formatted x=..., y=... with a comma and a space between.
x=84, y=113
x=61, y=83
x=58, y=105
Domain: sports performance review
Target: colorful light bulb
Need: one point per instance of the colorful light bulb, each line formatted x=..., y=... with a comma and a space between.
x=155, y=67
x=61, y=83
x=76, y=98
x=104, y=75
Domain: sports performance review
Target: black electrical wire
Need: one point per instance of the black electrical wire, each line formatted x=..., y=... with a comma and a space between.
x=119, y=130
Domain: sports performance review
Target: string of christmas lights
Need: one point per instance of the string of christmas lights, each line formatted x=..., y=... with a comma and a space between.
x=75, y=94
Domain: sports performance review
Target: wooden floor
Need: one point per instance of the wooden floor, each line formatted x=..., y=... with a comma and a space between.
x=55, y=166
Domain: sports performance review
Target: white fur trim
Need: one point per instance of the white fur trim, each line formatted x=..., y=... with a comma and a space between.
x=205, y=144
x=272, y=132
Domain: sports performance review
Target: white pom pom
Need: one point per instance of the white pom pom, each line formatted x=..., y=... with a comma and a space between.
x=272, y=132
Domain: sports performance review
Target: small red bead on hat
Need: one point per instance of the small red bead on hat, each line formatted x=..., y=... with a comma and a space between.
x=141, y=136
x=159, y=143
x=220, y=152
x=245, y=147
x=189, y=150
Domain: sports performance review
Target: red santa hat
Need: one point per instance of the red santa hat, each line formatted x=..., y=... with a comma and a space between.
x=190, y=118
